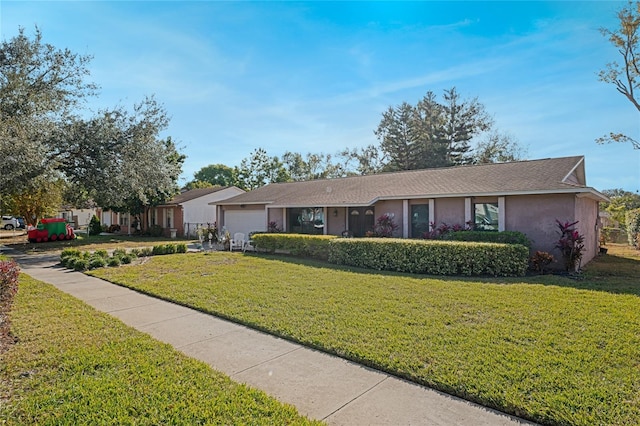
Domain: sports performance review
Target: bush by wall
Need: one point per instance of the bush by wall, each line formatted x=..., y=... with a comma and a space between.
x=316, y=246
x=431, y=257
x=155, y=231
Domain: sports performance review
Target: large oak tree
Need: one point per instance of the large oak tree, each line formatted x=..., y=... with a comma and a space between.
x=115, y=156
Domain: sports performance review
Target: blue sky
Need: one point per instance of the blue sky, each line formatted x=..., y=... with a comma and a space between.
x=316, y=76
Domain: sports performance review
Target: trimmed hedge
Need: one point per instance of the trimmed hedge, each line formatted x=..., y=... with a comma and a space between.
x=431, y=257
x=503, y=237
x=316, y=246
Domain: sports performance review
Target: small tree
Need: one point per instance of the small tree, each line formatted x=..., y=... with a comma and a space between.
x=95, y=228
x=570, y=244
x=540, y=260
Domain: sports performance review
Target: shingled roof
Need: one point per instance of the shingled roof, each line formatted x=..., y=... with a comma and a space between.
x=553, y=175
x=193, y=194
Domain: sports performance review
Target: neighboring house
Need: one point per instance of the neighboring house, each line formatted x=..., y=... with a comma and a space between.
x=78, y=218
x=525, y=196
x=190, y=209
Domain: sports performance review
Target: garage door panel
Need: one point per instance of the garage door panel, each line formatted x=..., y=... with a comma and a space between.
x=245, y=221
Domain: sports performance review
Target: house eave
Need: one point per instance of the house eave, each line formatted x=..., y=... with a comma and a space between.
x=573, y=190
x=582, y=192
x=240, y=203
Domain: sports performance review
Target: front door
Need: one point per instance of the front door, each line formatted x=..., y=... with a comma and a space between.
x=361, y=220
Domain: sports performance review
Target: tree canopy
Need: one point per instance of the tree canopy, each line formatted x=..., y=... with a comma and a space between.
x=115, y=157
x=40, y=86
x=624, y=77
x=621, y=202
x=436, y=134
x=429, y=134
x=260, y=169
x=216, y=174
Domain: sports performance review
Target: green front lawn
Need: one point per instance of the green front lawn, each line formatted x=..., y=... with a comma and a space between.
x=75, y=366
x=548, y=348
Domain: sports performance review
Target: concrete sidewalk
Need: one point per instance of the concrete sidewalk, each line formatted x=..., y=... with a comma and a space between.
x=320, y=386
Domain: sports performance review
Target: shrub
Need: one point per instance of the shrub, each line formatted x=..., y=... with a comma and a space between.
x=113, y=229
x=114, y=261
x=155, y=231
x=169, y=249
x=158, y=250
x=208, y=233
x=68, y=254
x=632, y=221
x=385, y=226
x=69, y=262
x=9, y=273
x=443, y=230
x=431, y=257
x=181, y=248
x=101, y=253
x=145, y=252
x=570, y=244
x=273, y=228
x=540, y=260
x=135, y=252
x=119, y=252
x=126, y=259
x=80, y=264
x=94, y=226
x=503, y=237
x=316, y=246
x=97, y=262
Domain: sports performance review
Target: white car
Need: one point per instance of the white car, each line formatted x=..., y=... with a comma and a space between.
x=9, y=222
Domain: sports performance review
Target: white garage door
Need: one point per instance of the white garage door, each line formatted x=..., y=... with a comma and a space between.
x=245, y=221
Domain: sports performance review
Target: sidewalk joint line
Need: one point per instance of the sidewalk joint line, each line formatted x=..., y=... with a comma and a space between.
x=386, y=377
x=268, y=360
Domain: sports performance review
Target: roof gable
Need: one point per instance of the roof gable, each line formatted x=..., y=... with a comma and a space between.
x=577, y=175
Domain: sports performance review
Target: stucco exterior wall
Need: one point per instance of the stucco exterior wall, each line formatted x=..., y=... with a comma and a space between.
x=394, y=208
x=276, y=215
x=336, y=220
x=535, y=216
x=449, y=210
x=587, y=213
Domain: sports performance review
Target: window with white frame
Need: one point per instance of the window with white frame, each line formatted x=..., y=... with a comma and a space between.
x=486, y=216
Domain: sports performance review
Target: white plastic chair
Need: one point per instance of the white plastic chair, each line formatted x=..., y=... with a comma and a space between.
x=237, y=242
